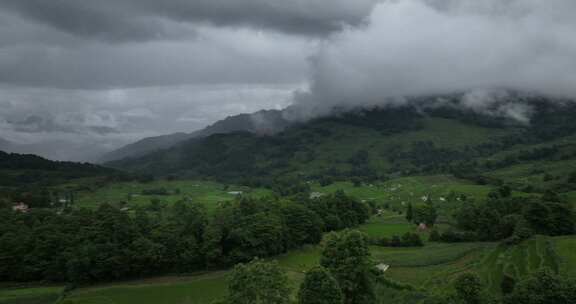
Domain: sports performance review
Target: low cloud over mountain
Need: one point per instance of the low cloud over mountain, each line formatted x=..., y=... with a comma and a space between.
x=102, y=74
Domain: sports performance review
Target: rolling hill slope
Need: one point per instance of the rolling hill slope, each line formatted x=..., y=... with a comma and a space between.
x=266, y=122
x=380, y=143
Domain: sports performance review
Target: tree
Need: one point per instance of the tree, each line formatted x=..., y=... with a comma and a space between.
x=410, y=239
x=434, y=236
x=319, y=287
x=543, y=287
x=258, y=282
x=409, y=213
x=507, y=285
x=346, y=255
x=302, y=224
x=468, y=288
x=550, y=218
x=425, y=213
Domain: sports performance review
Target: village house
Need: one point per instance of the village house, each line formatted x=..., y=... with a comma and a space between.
x=21, y=207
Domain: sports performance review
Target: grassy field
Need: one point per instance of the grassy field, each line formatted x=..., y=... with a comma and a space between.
x=396, y=193
x=133, y=193
x=400, y=192
x=177, y=290
x=40, y=295
x=566, y=250
x=375, y=229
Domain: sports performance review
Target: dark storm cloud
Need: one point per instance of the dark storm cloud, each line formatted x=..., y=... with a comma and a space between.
x=81, y=125
x=94, y=19
x=121, y=20
x=223, y=59
x=78, y=78
x=101, y=73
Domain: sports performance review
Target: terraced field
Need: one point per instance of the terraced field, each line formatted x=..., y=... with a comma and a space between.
x=518, y=261
x=432, y=265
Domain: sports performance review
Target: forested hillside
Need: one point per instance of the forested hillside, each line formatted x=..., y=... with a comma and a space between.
x=262, y=122
x=29, y=178
x=380, y=143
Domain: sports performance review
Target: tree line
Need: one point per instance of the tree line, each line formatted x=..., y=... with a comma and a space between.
x=503, y=216
x=107, y=243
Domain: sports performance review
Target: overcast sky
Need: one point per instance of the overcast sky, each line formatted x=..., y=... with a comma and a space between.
x=105, y=73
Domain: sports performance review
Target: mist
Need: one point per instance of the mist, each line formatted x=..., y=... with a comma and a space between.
x=420, y=47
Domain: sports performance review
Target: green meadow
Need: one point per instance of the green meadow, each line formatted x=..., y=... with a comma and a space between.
x=135, y=193
x=198, y=289
x=38, y=295
x=399, y=192
x=566, y=250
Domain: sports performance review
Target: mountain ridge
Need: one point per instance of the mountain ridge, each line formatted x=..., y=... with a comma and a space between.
x=264, y=121
x=373, y=144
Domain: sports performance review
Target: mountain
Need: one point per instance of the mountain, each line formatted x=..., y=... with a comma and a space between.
x=26, y=170
x=261, y=122
x=379, y=143
x=54, y=150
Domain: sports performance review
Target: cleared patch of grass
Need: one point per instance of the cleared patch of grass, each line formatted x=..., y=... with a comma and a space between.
x=386, y=227
x=199, y=289
x=300, y=260
x=39, y=295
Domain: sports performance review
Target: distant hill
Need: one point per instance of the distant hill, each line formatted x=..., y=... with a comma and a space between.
x=383, y=142
x=261, y=122
x=54, y=150
x=28, y=170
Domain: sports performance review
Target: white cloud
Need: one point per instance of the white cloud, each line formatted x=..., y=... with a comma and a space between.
x=419, y=47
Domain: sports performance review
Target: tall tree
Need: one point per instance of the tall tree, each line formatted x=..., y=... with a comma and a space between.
x=347, y=257
x=469, y=288
x=320, y=287
x=425, y=213
x=409, y=213
x=258, y=282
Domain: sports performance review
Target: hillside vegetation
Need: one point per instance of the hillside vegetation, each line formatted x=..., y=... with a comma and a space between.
x=380, y=144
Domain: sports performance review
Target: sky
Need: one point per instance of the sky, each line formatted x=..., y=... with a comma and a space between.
x=79, y=78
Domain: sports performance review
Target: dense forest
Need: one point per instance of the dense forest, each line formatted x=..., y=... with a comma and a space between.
x=106, y=244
